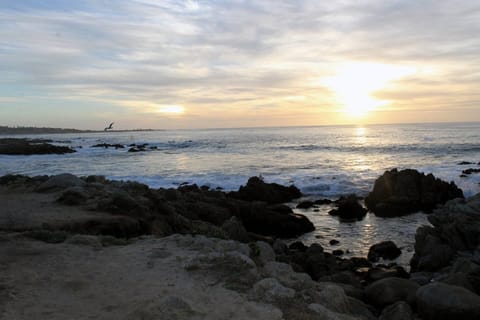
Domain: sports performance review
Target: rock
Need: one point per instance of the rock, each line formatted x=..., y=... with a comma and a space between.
x=61, y=181
x=298, y=245
x=402, y=192
x=257, y=190
x=463, y=163
x=73, y=196
x=334, y=242
x=263, y=252
x=235, y=230
x=390, y=290
x=349, y=208
x=305, y=205
x=258, y=218
x=269, y=289
x=338, y=252
x=431, y=253
x=439, y=301
x=117, y=226
x=107, y=145
x=397, y=311
x=323, y=201
x=324, y=313
x=385, y=250
x=284, y=273
x=280, y=247
x=13, y=146
x=470, y=171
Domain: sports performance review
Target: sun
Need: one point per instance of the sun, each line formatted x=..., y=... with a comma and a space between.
x=354, y=84
x=170, y=109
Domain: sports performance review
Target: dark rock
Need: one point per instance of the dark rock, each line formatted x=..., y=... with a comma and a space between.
x=439, y=301
x=61, y=181
x=13, y=146
x=305, y=205
x=235, y=230
x=338, y=252
x=385, y=250
x=334, y=242
x=463, y=176
x=386, y=291
x=107, y=145
x=258, y=218
x=349, y=208
x=470, y=171
x=463, y=163
x=257, y=190
x=117, y=226
x=323, y=201
x=280, y=247
x=73, y=196
x=397, y=311
x=402, y=192
x=298, y=245
x=136, y=149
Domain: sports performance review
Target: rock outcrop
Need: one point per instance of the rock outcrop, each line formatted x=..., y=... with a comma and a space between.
x=385, y=250
x=257, y=190
x=349, y=208
x=402, y=192
x=14, y=146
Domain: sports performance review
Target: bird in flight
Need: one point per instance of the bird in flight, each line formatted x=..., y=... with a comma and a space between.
x=109, y=127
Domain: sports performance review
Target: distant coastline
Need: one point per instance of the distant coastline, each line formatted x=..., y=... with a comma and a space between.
x=46, y=130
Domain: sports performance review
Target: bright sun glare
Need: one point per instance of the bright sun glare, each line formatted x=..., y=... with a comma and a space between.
x=171, y=109
x=354, y=84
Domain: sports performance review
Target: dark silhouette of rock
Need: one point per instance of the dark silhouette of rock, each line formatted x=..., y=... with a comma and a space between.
x=402, y=192
x=305, y=205
x=439, y=301
x=334, y=242
x=349, y=208
x=108, y=145
x=385, y=250
x=397, y=311
x=323, y=201
x=386, y=291
x=464, y=163
x=470, y=171
x=257, y=190
x=12, y=146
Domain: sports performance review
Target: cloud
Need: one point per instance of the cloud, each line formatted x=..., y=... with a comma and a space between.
x=233, y=55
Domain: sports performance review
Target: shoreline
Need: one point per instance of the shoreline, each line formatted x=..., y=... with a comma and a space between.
x=82, y=220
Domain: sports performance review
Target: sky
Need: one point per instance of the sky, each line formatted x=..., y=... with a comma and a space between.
x=211, y=64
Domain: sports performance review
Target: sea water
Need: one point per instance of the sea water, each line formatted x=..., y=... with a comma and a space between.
x=324, y=162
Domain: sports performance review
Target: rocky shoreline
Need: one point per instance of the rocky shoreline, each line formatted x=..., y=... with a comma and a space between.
x=233, y=240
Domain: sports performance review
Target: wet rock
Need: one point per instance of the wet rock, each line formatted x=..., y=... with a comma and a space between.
x=402, y=192
x=349, y=209
x=74, y=196
x=263, y=252
x=470, y=171
x=397, y=311
x=338, y=252
x=322, y=201
x=258, y=218
x=280, y=247
x=108, y=145
x=463, y=163
x=390, y=290
x=298, y=245
x=13, y=146
x=257, y=190
x=334, y=242
x=305, y=205
x=385, y=250
x=439, y=301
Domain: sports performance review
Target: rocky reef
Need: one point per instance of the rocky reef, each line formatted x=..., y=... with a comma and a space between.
x=14, y=146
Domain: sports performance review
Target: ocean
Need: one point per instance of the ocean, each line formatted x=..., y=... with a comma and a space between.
x=323, y=161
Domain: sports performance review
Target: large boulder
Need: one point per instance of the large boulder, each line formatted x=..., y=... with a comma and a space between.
x=61, y=181
x=383, y=292
x=349, y=209
x=439, y=301
x=398, y=311
x=258, y=190
x=385, y=250
x=402, y=192
x=264, y=220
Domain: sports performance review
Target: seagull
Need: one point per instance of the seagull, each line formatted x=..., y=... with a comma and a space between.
x=109, y=127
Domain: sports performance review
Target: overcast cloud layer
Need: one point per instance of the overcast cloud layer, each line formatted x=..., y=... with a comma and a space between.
x=231, y=63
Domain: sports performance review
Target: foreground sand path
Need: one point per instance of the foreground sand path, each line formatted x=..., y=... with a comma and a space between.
x=143, y=280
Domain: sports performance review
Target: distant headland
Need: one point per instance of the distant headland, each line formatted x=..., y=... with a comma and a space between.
x=46, y=130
